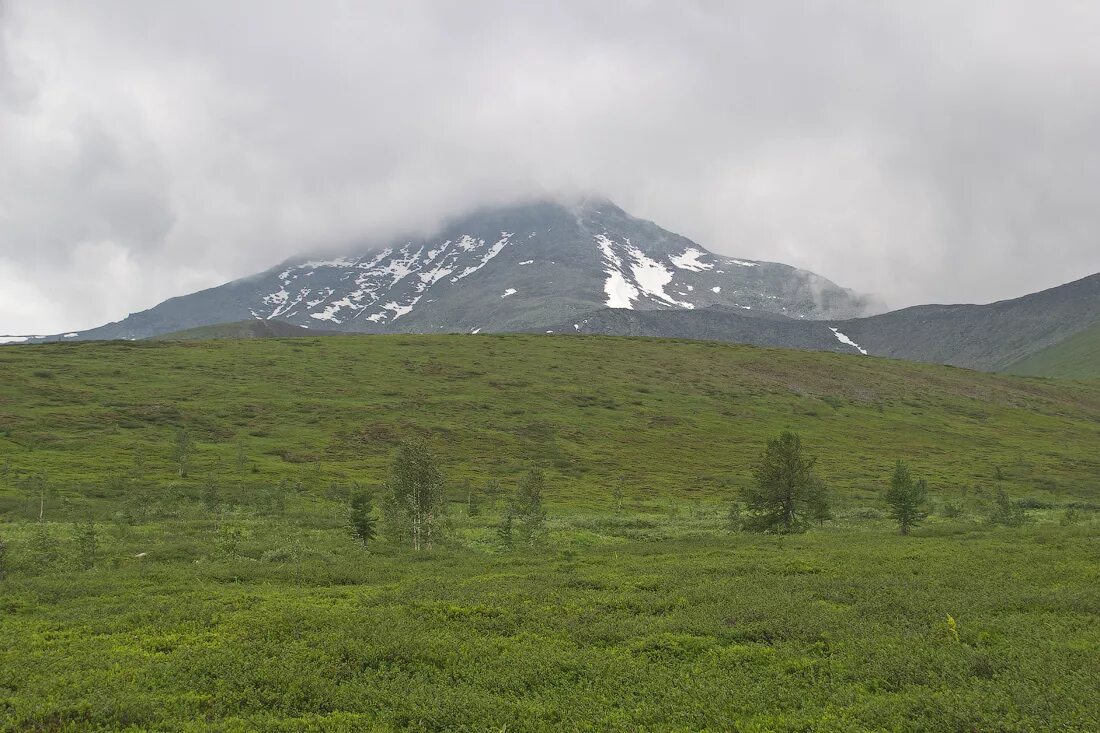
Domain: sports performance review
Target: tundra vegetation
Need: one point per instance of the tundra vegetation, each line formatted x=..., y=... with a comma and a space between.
x=530, y=533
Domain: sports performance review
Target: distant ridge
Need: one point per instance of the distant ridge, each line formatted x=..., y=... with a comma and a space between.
x=994, y=337
x=243, y=330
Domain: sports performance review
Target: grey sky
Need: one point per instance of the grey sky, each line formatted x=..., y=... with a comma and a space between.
x=931, y=151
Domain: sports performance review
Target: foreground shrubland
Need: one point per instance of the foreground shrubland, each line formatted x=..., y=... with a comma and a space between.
x=180, y=548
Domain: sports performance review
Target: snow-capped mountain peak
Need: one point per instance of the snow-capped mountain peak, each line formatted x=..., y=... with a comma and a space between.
x=550, y=260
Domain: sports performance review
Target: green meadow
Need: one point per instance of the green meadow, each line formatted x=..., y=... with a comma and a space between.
x=235, y=598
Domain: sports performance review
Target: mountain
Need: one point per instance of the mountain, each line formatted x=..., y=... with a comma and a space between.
x=252, y=329
x=1078, y=357
x=509, y=268
x=1060, y=323
x=989, y=337
x=716, y=323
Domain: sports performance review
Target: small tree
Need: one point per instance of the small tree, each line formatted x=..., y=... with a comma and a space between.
x=211, y=495
x=820, y=511
x=181, y=451
x=1007, y=512
x=527, y=507
x=414, y=497
x=38, y=492
x=45, y=550
x=493, y=491
x=785, y=490
x=139, y=462
x=3, y=559
x=87, y=545
x=242, y=458
x=361, y=516
x=618, y=491
x=505, y=537
x=906, y=498
x=473, y=500
x=735, y=522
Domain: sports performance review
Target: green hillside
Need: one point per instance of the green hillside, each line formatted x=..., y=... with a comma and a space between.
x=235, y=597
x=1078, y=357
x=677, y=419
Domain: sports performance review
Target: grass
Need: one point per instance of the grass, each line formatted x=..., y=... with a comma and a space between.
x=1078, y=357
x=221, y=609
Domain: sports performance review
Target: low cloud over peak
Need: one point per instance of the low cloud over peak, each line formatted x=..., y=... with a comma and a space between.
x=928, y=152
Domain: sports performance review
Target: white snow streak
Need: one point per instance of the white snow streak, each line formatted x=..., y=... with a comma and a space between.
x=649, y=276
x=493, y=252
x=620, y=293
x=845, y=340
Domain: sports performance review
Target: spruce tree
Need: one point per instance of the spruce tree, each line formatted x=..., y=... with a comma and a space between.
x=906, y=498
x=527, y=507
x=361, y=517
x=785, y=492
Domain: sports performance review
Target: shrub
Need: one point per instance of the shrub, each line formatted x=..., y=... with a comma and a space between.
x=1031, y=502
x=735, y=522
x=1007, y=512
x=504, y=535
x=951, y=510
x=278, y=555
x=87, y=545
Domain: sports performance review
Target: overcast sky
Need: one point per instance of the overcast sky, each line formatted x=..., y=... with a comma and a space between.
x=926, y=151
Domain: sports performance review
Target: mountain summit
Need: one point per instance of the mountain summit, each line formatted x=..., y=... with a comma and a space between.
x=509, y=268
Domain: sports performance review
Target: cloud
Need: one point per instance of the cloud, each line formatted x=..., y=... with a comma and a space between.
x=925, y=151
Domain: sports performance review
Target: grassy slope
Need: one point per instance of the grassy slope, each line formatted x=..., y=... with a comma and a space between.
x=1078, y=357
x=679, y=419
x=648, y=618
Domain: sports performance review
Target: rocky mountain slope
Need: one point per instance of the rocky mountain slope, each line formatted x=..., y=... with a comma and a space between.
x=503, y=269
x=989, y=337
x=715, y=323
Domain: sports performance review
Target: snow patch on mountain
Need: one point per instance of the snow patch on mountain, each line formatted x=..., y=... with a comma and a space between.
x=632, y=274
x=505, y=237
x=845, y=340
x=689, y=260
